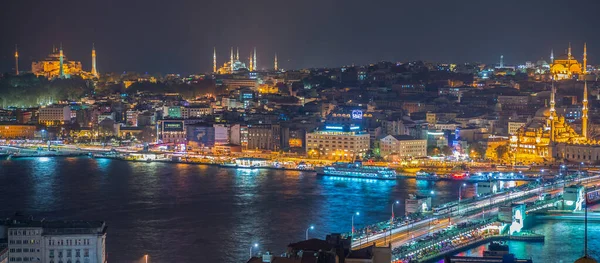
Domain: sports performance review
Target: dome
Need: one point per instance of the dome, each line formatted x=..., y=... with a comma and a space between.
x=586, y=259
x=543, y=112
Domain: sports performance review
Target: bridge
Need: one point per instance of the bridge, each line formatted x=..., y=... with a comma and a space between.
x=402, y=233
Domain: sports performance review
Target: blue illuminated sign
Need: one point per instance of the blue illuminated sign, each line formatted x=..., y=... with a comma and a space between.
x=334, y=127
x=357, y=114
x=355, y=128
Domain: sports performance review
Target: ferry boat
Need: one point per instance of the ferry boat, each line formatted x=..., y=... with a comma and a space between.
x=357, y=170
x=428, y=176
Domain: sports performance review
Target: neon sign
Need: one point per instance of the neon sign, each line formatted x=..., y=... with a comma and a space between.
x=357, y=115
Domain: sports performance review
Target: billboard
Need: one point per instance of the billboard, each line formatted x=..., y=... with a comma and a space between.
x=172, y=126
x=202, y=135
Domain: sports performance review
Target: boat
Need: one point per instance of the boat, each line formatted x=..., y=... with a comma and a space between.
x=428, y=176
x=357, y=170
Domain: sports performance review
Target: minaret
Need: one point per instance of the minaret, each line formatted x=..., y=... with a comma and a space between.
x=569, y=52
x=231, y=60
x=552, y=113
x=214, y=60
x=584, y=112
x=584, y=58
x=501, y=61
x=276, y=62
x=255, y=65
x=551, y=56
x=61, y=70
x=251, y=68
x=16, y=60
x=94, y=71
x=237, y=54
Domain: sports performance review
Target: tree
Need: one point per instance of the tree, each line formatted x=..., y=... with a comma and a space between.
x=476, y=150
x=502, y=152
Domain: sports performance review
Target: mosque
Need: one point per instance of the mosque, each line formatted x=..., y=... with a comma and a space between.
x=549, y=137
x=57, y=65
x=566, y=66
x=235, y=65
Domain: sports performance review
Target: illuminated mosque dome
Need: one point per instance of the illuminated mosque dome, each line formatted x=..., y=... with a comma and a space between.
x=586, y=259
x=543, y=112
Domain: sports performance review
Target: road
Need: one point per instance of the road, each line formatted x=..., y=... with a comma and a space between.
x=405, y=233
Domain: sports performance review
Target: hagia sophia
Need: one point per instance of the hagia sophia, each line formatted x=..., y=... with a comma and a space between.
x=57, y=65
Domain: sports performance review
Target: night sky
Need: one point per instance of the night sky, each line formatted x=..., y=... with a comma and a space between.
x=179, y=35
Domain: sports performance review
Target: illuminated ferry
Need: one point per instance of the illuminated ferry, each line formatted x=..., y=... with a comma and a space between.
x=429, y=176
x=357, y=170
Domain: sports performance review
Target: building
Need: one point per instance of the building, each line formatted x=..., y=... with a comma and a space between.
x=515, y=125
x=45, y=241
x=171, y=131
x=566, y=66
x=200, y=136
x=264, y=137
x=337, y=142
x=56, y=65
x=54, y=115
x=541, y=138
x=402, y=146
x=14, y=131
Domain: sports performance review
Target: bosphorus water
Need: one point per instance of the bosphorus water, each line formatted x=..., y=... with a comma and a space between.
x=197, y=213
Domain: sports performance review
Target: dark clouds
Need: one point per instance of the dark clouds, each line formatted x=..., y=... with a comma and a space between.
x=178, y=35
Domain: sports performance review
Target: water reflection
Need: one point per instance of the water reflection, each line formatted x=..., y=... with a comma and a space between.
x=154, y=208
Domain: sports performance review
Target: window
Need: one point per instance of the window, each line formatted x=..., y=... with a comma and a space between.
x=77, y=252
x=51, y=253
x=86, y=252
x=60, y=254
x=68, y=253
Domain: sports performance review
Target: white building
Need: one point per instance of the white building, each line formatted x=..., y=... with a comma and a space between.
x=55, y=115
x=337, y=142
x=403, y=146
x=42, y=241
x=195, y=111
x=513, y=126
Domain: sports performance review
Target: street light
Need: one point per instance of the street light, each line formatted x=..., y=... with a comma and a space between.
x=253, y=246
x=393, y=204
x=310, y=228
x=355, y=214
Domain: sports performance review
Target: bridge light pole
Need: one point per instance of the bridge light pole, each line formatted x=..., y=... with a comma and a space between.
x=352, y=238
x=251, y=247
x=310, y=228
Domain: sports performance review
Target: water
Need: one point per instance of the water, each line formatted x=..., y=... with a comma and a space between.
x=563, y=244
x=194, y=213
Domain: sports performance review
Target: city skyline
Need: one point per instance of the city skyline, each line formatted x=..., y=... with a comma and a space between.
x=331, y=37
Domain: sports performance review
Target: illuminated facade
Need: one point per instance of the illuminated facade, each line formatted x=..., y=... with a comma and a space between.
x=16, y=131
x=337, y=143
x=566, y=66
x=56, y=65
x=233, y=65
x=403, y=146
x=539, y=139
x=55, y=115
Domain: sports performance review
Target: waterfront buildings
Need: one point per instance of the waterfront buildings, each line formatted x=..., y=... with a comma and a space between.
x=337, y=142
x=45, y=241
x=17, y=131
x=402, y=147
x=54, y=115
